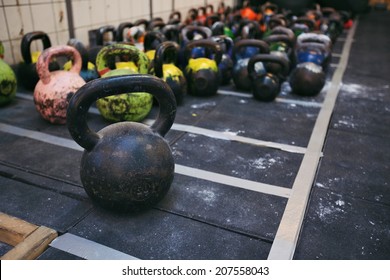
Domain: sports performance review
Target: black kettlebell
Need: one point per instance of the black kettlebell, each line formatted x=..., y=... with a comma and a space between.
x=174, y=18
x=126, y=166
x=202, y=72
x=225, y=67
x=243, y=50
x=88, y=69
x=26, y=72
x=266, y=83
x=165, y=68
x=308, y=77
x=282, y=45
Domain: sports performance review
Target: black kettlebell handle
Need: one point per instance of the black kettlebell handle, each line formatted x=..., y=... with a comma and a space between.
x=81, y=101
x=244, y=43
x=314, y=38
x=119, y=31
x=171, y=32
x=191, y=29
x=205, y=43
x=156, y=24
x=225, y=40
x=151, y=37
x=175, y=15
x=306, y=21
x=79, y=46
x=281, y=30
x=103, y=30
x=161, y=54
x=143, y=22
x=268, y=58
x=28, y=39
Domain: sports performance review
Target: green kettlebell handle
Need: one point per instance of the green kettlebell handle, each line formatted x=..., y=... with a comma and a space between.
x=119, y=31
x=267, y=58
x=81, y=101
x=28, y=39
x=47, y=55
x=133, y=54
x=244, y=43
x=160, y=56
x=205, y=43
x=280, y=38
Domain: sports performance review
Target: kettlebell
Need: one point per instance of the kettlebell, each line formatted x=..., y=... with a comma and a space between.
x=308, y=77
x=302, y=25
x=88, y=70
x=133, y=106
x=26, y=71
x=266, y=83
x=126, y=166
x=151, y=41
x=283, y=46
x=174, y=18
x=120, y=32
x=202, y=73
x=322, y=52
x=54, y=89
x=225, y=67
x=165, y=68
x=98, y=38
x=241, y=58
x=8, y=82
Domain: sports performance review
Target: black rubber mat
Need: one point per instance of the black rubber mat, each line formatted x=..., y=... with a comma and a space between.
x=349, y=210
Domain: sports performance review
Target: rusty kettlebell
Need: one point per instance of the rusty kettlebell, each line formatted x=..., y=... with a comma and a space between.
x=54, y=89
x=126, y=166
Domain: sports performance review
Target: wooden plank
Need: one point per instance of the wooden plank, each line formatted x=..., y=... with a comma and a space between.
x=14, y=230
x=32, y=246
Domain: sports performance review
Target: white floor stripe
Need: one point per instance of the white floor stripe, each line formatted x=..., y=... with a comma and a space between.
x=278, y=99
x=287, y=235
x=87, y=249
x=180, y=169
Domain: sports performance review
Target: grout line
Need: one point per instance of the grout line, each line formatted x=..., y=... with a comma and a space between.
x=213, y=134
x=286, y=237
x=87, y=249
x=180, y=169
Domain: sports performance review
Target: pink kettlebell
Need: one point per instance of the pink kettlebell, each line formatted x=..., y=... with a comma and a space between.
x=54, y=89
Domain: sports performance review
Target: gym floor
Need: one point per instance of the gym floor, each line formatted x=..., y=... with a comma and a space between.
x=298, y=178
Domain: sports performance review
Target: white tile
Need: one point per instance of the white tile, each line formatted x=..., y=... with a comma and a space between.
x=82, y=35
x=81, y=14
x=14, y=2
x=16, y=51
x=125, y=10
x=62, y=37
x=112, y=11
x=98, y=15
x=3, y=26
x=43, y=17
x=19, y=21
x=60, y=16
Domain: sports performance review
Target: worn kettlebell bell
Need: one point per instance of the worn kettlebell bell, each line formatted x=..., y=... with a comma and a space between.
x=8, y=82
x=26, y=71
x=165, y=68
x=88, y=70
x=241, y=58
x=202, y=73
x=54, y=89
x=266, y=83
x=126, y=166
x=133, y=106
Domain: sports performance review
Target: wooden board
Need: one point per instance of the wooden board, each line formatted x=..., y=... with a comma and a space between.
x=29, y=240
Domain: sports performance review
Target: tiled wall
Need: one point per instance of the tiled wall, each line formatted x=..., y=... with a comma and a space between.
x=18, y=17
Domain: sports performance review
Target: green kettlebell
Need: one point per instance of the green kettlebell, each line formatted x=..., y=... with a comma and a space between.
x=202, y=73
x=133, y=106
x=8, y=82
x=165, y=68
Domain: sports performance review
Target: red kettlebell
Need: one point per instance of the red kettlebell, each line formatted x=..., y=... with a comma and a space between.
x=54, y=89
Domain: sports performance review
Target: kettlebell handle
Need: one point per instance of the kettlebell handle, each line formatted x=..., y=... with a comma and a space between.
x=191, y=29
x=46, y=56
x=205, y=43
x=134, y=55
x=314, y=38
x=28, y=39
x=244, y=43
x=268, y=58
x=280, y=38
x=150, y=37
x=103, y=87
x=79, y=46
x=162, y=50
x=119, y=31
